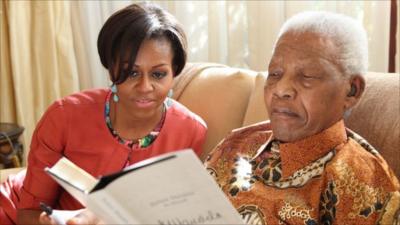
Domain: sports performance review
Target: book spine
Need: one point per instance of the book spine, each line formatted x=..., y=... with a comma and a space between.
x=109, y=210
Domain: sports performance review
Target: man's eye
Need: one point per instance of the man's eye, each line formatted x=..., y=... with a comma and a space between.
x=274, y=74
x=309, y=76
x=159, y=75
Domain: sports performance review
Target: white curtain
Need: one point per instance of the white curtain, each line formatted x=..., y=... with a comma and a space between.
x=87, y=19
x=236, y=33
x=242, y=33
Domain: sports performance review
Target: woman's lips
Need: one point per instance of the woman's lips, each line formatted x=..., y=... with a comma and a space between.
x=144, y=103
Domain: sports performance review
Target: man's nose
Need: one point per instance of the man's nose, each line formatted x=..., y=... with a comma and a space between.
x=285, y=88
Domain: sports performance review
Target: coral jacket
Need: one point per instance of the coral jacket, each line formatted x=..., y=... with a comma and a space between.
x=75, y=127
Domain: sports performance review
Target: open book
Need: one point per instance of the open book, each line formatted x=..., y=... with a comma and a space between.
x=173, y=188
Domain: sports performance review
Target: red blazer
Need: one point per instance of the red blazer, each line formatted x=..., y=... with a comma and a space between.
x=75, y=127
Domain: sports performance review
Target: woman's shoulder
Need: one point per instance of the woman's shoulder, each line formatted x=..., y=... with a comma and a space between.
x=76, y=105
x=180, y=112
x=90, y=100
x=85, y=97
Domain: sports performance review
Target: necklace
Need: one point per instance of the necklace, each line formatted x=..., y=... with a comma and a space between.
x=133, y=143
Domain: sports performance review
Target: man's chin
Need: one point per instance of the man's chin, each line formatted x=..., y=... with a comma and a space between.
x=286, y=134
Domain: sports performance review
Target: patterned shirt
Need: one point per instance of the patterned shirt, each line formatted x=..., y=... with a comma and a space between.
x=334, y=177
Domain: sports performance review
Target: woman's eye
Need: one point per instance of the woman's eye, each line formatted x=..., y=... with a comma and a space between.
x=159, y=75
x=132, y=73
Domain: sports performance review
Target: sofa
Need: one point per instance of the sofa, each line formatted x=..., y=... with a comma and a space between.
x=228, y=98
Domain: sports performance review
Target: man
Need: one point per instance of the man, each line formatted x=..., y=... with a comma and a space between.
x=303, y=166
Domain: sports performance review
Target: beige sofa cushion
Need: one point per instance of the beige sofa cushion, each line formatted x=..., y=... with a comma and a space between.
x=217, y=93
x=256, y=110
x=4, y=173
x=375, y=117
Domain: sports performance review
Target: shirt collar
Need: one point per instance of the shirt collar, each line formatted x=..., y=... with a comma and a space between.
x=298, y=154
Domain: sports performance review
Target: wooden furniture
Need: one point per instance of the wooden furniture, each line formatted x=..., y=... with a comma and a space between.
x=11, y=150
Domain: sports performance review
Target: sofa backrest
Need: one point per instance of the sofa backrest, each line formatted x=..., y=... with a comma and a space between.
x=217, y=93
x=228, y=98
x=377, y=116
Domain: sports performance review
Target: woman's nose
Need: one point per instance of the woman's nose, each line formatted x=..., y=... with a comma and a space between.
x=145, y=84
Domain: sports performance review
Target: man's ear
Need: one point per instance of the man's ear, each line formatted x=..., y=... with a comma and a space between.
x=355, y=90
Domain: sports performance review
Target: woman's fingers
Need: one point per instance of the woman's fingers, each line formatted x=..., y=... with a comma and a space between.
x=85, y=217
x=46, y=220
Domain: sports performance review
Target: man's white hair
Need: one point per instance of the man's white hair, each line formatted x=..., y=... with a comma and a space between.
x=348, y=35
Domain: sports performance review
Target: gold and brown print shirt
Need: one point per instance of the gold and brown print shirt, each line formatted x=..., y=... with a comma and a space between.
x=334, y=177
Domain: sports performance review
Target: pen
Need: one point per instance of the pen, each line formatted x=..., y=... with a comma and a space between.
x=45, y=208
x=59, y=216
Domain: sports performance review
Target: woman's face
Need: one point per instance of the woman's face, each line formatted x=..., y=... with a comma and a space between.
x=151, y=77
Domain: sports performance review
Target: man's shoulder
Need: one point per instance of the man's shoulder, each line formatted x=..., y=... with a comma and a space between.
x=263, y=127
x=246, y=140
x=356, y=160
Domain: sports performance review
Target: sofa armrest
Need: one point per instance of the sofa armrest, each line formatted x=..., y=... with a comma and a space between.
x=4, y=173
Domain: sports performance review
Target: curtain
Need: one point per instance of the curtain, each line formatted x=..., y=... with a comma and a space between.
x=38, y=64
x=242, y=33
x=397, y=57
x=49, y=48
x=87, y=19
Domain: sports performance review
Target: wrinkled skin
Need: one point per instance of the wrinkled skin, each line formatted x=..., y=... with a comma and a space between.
x=306, y=90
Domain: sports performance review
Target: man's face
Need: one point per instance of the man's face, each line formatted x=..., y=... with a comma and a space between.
x=305, y=90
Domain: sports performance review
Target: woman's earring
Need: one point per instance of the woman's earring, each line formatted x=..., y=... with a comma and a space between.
x=170, y=94
x=114, y=91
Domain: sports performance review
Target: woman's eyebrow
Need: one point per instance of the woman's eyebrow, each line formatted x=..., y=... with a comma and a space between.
x=155, y=66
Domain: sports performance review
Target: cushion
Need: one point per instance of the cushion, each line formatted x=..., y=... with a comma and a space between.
x=376, y=116
x=256, y=110
x=218, y=94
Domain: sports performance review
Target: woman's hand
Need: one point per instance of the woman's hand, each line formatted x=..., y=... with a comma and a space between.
x=46, y=220
x=83, y=217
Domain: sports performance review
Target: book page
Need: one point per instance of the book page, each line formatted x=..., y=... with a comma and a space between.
x=177, y=190
x=73, y=179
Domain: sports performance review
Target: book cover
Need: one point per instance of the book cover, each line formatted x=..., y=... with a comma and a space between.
x=173, y=188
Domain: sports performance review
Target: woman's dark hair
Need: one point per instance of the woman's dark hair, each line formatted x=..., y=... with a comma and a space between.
x=123, y=33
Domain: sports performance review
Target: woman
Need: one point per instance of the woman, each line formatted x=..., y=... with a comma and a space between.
x=104, y=130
